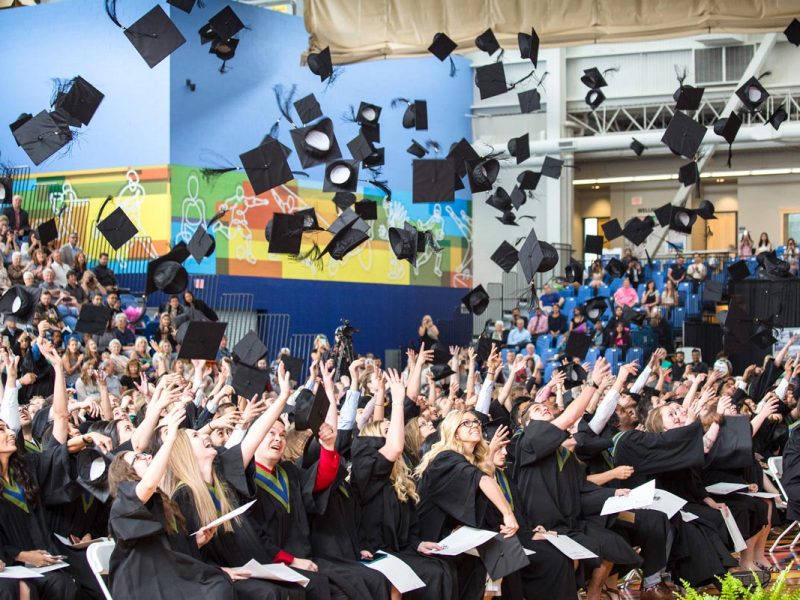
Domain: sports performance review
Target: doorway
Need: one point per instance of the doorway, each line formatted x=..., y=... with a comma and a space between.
x=716, y=234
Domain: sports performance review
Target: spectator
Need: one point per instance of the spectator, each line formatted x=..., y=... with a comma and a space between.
x=165, y=333
x=537, y=325
x=596, y=275
x=790, y=255
x=11, y=331
x=114, y=303
x=122, y=333
x=132, y=375
x=73, y=361
x=698, y=366
x=626, y=295
x=650, y=296
x=92, y=354
x=670, y=297
x=764, y=245
x=518, y=337
x=86, y=384
x=499, y=335
x=105, y=276
x=627, y=257
x=48, y=281
x=620, y=338
x=224, y=351
x=79, y=265
x=615, y=319
x=47, y=311
x=556, y=323
x=516, y=314
x=677, y=272
x=549, y=298
x=59, y=269
x=428, y=332
x=578, y=324
x=8, y=241
x=598, y=335
x=91, y=286
x=74, y=288
x=115, y=364
x=746, y=245
x=141, y=352
x=68, y=251
x=164, y=358
x=697, y=273
x=17, y=217
x=635, y=271
x=172, y=306
x=321, y=348
x=37, y=265
x=16, y=268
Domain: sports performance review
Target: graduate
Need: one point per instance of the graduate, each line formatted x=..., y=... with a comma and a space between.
x=790, y=479
x=456, y=484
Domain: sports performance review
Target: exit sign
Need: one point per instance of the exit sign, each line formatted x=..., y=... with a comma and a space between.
x=636, y=201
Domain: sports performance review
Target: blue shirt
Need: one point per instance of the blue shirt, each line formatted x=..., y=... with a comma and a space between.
x=518, y=337
x=550, y=299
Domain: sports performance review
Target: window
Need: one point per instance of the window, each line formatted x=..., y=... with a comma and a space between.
x=791, y=228
x=721, y=65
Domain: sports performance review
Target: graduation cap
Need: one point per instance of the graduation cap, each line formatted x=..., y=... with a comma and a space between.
x=286, y=235
x=41, y=137
x=491, y=80
x=593, y=78
x=407, y=242
x=310, y=409
x=167, y=272
x=344, y=200
x=250, y=349
x=529, y=101
x=637, y=147
x=442, y=46
x=792, y=32
x=341, y=176
x=595, y=308
x=18, y=302
x=487, y=42
x=677, y=218
x=689, y=174
x=529, y=46
x=477, y=301
x=417, y=149
x=47, y=231
x=739, y=270
x=683, y=135
x=316, y=144
x=551, y=167
x=368, y=114
x=202, y=340
x=116, y=228
x=6, y=189
x=80, y=100
x=376, y=159
x=308, y=109
x=482, y=174
x=615, y=268
x=462, y=153
x=506, y=256
x=706, y=210
x=293, y=365
x=93, y=319
x=366, y=209
x=483, y=347
x=360, y=147
x=92, y=467
x=433, y=180
x=348, y=236
x=727, y=128
x=226, y=23
x=518, y=197
x=528, y=180
x=779, y=116
x=519, y=148
x=415, y=115
x=154, y=36
x=688, y=97
x=637, y=230
x=202, y=245
x=611, y=230
x=633, y=316
x=573, y=272
x=249, y=381
x=712, y=291
x=185, y=5
x=593, y=244
x=752, y=94
x=500, y=200
x=578, y=345
x=502, y=556
x=320, y=63
x=536, y=257
x=440, y=367
x=266, y=166
x=763, y=336
x=594, y=98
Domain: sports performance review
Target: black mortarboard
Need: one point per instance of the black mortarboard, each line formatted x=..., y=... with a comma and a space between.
x=611, y=230
x=309, y=216
x=416, y=115
x=117, y=228
x=287, y=234
x=593, y=78
x=202, y=339
x=664, y=214
x=706, y=210
x=520, y=148
x=316, y=144
x=502, y=556
x=21, y=120
x=417, y=149
x=483, y=347
x=551, y=167
x=763, y=336
x=500, y=200
x=266, y=166
x=728, y=127
x=93, y=319
x=376, y=159
x=637, y=230
x=632, y=315
x=637, y=147
x=778, y=117
x=792, y=32
x=594, y=98
x=41, y=137
x=368, y=114
x=154, y=36
x=683, y=135
x=508, y=218
x=360, y=148
x=682, y=219
x=345, y=219
x=185, y=5
x=506, y=256
x=595, y=308
x=92, y=472
x=688, y=98
x=739, y=270
x=81, y=101
x=308, y=109
x=19, y=302
x=531, y=256
x=518, y=197
x=712, y=291
x=689, y=174
x=491, y=80
x=226, y=23
x=528, y=180
x=615, y=268
x=344, y=200
x=578, y=345
x=593, y=244
x=310, y=409
x=47, y=231
x=405, y=242
x=529, y=46
x=482, y=174
x=529, y=101
x=167, y=273
x=461, y=153
x=477, y=301
x=250, y=349
x=366, y=209
x=201, y=245
x=433, y=181
x=249, y=381
x=487, y=42
x=347, y=239
x=341, y=176
x=294, y=366
x=440, y=367
x=442, y=46
x=320, y=63
x=752, y=94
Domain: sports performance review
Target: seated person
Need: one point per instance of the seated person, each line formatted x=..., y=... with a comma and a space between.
x=556, y=323
x=696, y=273
x=549, y=298
x=518, y=337
x=626, y=295
x=122, y=333
x=104, y=275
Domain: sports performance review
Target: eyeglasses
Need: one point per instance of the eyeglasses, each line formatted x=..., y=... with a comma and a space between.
x=141, y=456
x=470, y=423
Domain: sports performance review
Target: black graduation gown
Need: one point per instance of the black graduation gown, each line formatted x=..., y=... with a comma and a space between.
x=449, y=496
x=390, y=525
x=22, y=522
x=549, y=574
x=791, y=473
x=553, y=483
x=9, y=588
x=674, y=458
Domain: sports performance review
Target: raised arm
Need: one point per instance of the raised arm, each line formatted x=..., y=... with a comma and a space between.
x=415, y=377
x=167, y=391
x=106, y=411
x=392, y=450
x=158, y=466
x=259, y=429
x=577, y=407
x=328, y=372
x=769, y=407
x=504, y=397
x=609, y=403
x=471, y=358
x=9, y=406
x=59, y=410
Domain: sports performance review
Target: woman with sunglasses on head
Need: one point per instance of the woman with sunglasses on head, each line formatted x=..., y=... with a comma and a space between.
x=455, y=487
x=143, y=519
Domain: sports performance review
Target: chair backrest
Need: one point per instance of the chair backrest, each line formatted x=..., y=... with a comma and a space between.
x=98, y=556
x=775, y=467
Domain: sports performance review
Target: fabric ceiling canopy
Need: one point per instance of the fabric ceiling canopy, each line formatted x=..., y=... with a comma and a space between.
x=359, y=30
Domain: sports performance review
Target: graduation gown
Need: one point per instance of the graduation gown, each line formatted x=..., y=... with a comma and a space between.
x=22, y=521
x=450, y=496
x=675, y=458
x=393, y=526
x=791, y=474
x=553, y=489
x=9, y=588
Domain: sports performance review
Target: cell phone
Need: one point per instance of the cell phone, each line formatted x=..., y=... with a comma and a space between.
x=665, y=364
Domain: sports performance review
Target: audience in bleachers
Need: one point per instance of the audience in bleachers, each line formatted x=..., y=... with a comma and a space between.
x=746, y=245
x=764, y=245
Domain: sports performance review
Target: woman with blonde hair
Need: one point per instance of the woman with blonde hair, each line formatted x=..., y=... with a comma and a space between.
x=456, y=483
x=388, y=496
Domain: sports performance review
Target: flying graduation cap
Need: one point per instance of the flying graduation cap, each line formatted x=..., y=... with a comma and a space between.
x=727, y=128
x=519, y=148
x=319, y=63
x=792, y=32
x=415, y=115
x=442, y=47
x=79, y=99
x=529, y=46
x=506, y=256
x=201, y=244
x=487, y=42
x=116, y=228
x=41, y=136
x=154, y=36
x=477, y=301
x=594, y=80
x=408, y=242
x=683, y=135
x=219, y=32
x=752, y=94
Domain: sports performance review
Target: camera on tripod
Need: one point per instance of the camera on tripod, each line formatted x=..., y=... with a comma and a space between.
x=342, y=352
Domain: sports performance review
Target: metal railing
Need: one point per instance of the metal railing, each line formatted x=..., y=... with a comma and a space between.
x=237, y=310
x=301, y=345
x=273, y=330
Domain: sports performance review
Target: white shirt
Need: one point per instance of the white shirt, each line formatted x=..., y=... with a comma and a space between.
x=60, y=271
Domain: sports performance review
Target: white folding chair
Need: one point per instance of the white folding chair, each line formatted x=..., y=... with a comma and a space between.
x=775, y=468
x=98, y=556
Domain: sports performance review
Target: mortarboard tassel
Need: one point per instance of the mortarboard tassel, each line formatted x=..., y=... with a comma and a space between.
x=453, y=69
x=285, y=101
x=681, y=73
x=384, y=187
x=351, y=116
x=433, y=145
x=396, y=102
x=111, y=11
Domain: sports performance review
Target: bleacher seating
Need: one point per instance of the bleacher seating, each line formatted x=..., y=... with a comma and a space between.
x=613, y=357
x=635, y=353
